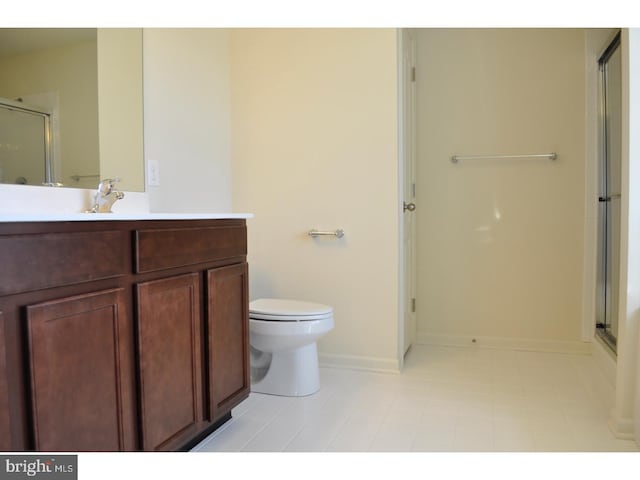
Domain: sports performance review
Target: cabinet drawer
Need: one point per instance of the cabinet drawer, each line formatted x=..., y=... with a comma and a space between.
x=35, y=261
x=169, y=248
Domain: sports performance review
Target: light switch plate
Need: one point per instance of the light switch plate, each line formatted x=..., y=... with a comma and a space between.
x=153, y=173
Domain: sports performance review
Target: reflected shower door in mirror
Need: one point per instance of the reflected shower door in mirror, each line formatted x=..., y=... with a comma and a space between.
x=54, y=70
x=89, y=84
x=610, y=67
x=25, y=140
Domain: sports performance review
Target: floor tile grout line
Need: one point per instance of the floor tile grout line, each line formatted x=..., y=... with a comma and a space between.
x=380, y=423
x=325, y=402
x=335, y=434
x=305, y=423
x=265, y=426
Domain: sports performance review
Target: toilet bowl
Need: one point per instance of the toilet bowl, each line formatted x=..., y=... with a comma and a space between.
x=284, y=353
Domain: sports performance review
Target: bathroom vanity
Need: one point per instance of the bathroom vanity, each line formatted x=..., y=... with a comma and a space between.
x=121, y=334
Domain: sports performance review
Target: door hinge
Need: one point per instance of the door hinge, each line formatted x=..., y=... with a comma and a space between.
x=413, y=190
x=413, y=74
x=413, y=305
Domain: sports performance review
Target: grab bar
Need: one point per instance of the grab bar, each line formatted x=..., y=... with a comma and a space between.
x=78, y=177
x=339, y=233
x=456, y=158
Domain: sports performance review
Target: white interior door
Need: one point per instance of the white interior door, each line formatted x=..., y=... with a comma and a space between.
x=409, y=188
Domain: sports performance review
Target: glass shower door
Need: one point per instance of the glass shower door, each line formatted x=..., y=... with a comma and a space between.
x=609, y=195
x=24, y=144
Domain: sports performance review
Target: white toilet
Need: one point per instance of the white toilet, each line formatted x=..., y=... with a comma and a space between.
x=284, y=354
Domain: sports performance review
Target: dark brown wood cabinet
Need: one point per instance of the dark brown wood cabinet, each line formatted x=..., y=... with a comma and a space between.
x=228, y=338
x=169, y=336
x=81, y=373
x=121, y=335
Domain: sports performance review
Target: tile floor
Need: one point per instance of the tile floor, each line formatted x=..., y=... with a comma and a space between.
x=447, y=399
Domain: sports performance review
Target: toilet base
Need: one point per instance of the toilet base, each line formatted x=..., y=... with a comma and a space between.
x=292, y=373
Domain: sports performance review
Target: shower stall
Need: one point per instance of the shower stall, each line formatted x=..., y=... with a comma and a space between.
x=610, y=119
x=25, y=144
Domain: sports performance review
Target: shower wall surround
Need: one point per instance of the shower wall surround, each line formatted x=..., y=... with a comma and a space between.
x=500, y=240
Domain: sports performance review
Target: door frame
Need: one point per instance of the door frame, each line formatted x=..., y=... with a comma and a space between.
x=406, y=166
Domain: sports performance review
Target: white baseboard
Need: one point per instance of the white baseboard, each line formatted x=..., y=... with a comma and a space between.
x=555, y=346
x=354, y=362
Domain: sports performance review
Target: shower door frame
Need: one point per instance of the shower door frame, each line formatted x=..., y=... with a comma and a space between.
x=7, y=104
x=606, y=298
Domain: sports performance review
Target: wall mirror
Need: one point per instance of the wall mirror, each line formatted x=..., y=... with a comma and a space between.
x=71, y=107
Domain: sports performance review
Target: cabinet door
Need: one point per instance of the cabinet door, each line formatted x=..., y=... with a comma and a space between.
x=81, y=367
x=169, y=343
x=228, y=338
x=5, y=434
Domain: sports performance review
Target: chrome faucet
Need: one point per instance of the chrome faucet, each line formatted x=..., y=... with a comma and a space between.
x=106, y=196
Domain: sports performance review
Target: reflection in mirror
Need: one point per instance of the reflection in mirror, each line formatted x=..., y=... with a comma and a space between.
x=50, y=70
x=120, y=106
x=25, y=139
x=86, y=84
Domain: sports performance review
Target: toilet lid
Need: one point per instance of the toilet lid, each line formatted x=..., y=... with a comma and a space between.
x=287, y=310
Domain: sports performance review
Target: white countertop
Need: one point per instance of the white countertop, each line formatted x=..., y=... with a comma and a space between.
x=88, y=217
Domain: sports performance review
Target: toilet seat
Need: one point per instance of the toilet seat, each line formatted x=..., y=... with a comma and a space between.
x=281, y=310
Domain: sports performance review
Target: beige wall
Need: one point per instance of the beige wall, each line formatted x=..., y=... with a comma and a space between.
x=120, y=106
x=187, y=118
x=315, y=146
x=500, y=242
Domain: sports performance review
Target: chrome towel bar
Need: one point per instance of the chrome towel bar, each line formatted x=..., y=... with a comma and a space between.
x=78, y=177
x=339, y=233
x=456, y=158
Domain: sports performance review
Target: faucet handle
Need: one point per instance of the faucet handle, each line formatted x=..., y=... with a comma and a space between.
x=110, y=181
x=107, y=184
x=106, y=196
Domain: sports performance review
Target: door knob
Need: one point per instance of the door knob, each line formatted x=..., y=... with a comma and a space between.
x=409, y=206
